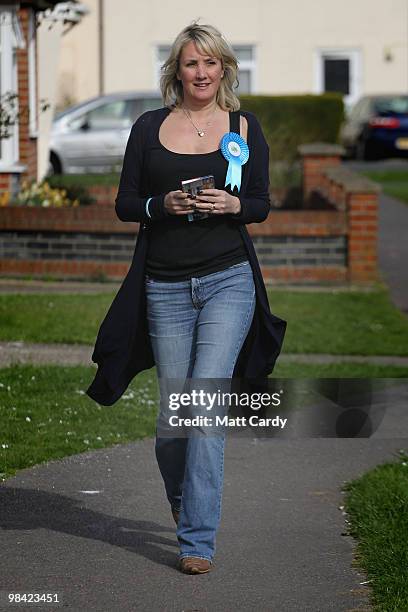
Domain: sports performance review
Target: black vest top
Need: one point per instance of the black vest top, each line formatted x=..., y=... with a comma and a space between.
x=180, y=249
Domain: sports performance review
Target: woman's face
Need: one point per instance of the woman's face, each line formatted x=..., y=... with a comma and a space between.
x=199, y=74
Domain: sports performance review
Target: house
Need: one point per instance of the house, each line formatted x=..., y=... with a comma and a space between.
x=31, y=33
x=283, y=46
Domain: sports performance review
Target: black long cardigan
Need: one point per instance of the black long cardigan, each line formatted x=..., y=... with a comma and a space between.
x=122, y=347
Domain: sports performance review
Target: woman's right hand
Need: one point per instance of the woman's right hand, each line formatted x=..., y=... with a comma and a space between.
x=178, y=203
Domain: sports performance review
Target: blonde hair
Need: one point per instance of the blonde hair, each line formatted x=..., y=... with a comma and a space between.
x=209, y=41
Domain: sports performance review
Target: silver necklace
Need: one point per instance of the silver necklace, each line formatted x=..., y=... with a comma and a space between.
x=200, y=133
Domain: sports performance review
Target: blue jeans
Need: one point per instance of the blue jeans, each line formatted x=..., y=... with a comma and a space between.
x=197, y=328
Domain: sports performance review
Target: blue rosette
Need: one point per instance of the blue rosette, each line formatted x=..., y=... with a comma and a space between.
x=236, y=152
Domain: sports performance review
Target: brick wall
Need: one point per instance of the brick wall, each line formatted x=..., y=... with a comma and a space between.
x=352, y=194
x=103, y=194
x=298, y=246
x=10, y=181
x=27, y=145
x=362, y=237
x=303, y=246
x=5, y=182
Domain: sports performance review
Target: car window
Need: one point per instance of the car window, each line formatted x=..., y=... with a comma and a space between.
x=151, y=104
x=77, y=123
x=112, y=115
x=118, y=114
x=108, y=116
x=141, y=105
x=397, y=105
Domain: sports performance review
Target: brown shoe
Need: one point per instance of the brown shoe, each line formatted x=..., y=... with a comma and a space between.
x=176, y=515
x=194, y=565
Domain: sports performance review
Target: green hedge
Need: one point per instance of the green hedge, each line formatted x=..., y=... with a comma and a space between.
x=288, y=121
x=68, y=181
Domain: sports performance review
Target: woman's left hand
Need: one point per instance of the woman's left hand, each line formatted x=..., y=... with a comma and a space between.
x=217, y=202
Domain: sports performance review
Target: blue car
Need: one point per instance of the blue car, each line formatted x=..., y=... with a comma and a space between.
x=376, y=128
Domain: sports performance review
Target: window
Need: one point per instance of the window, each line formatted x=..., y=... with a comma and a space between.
x=338, y=70
x=337, y=75
x=162, y=53
x=141, y=105
x=246, y=63
x=11, y=38
x=113, y=115
x=392, y=106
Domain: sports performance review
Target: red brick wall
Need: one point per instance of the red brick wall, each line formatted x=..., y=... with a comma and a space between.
x=302, y=246
x=301, y=223
x=28, y=146
x=95, y=218
x=69, y=269
x=312, y=170
x=103, y=194
x=362, y=237
x=5, y=181
x=92, y=218
x=102, y=221
x=359, y=203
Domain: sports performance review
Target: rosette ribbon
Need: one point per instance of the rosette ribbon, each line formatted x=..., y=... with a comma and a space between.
x=236, y=152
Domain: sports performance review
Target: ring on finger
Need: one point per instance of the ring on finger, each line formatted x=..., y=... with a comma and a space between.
x=213, y=207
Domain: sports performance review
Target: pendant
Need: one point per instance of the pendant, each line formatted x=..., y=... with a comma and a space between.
x=201, y=133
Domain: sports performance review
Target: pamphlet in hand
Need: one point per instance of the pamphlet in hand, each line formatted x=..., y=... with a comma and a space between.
x=194, y=187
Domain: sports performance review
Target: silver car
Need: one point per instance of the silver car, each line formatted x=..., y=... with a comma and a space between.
x=91, y=136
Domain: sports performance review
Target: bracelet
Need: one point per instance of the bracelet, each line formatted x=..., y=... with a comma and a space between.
x=147, y=208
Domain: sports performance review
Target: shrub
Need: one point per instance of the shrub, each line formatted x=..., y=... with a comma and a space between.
x=43, y=194
x=288, y=121
x=74, y=189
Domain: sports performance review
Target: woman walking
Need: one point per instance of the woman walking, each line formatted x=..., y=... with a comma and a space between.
x=193, y=303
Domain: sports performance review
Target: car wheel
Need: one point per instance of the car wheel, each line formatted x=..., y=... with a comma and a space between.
x=54, y=165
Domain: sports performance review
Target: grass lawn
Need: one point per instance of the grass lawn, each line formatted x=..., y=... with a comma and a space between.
x=45, y=413
x=394, y=182
x=335, y=322
x=377, y=504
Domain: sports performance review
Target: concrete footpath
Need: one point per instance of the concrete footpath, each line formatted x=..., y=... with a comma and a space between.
x=393, y=248
x=392, y=233
x=81, y=354
x=96, y=529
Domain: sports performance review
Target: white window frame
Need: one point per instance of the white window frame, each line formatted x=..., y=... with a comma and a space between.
x=11, y=39
x=354, y=57
x=250, y=65
x=157, y=64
